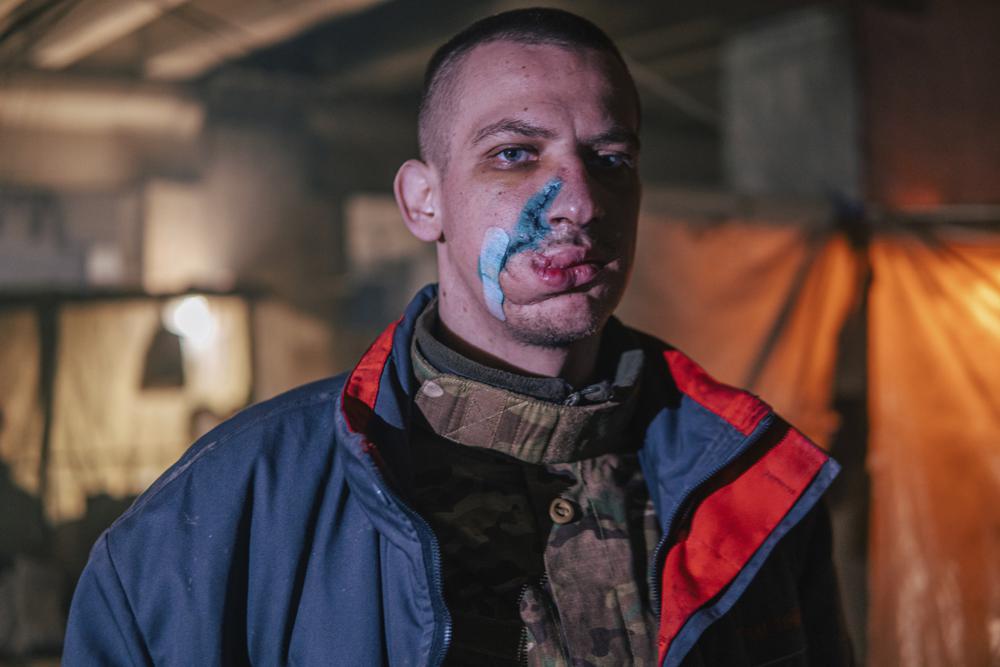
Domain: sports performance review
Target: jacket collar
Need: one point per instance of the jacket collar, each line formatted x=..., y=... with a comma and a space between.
x=375, y=405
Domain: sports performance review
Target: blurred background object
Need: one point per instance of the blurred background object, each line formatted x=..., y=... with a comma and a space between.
x=196, y=214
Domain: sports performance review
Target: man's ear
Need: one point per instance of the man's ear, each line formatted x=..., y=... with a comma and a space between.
x=416, y=195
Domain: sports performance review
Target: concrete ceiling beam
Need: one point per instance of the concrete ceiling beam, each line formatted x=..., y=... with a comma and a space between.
x=89, y=26
x=60, y=102
x=8, y=6
x=258, y=25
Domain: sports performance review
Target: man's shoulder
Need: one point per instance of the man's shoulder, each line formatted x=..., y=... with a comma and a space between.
x=220, y=538
x=295, y=430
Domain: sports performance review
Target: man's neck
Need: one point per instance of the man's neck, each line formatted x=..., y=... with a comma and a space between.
x=574, y=363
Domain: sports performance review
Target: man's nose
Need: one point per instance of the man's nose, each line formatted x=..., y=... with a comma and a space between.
x=577, y=202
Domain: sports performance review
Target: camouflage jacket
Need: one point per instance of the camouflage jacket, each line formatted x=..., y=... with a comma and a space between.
x=287, y=535
x=540, y=507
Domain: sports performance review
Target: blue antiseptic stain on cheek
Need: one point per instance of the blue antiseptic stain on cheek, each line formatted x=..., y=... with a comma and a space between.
x=492, y=257
x=498, y=246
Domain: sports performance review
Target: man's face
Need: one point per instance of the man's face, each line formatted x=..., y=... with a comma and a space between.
x=539, y=197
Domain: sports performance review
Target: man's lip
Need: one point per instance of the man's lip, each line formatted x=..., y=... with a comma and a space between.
x=568, y=277
x=565, y=258
x=567, y=268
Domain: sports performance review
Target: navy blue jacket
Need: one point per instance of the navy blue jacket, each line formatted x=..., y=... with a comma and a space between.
x=280, y=538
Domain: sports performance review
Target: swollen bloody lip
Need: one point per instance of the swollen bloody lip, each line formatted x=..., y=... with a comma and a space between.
x=561, y=275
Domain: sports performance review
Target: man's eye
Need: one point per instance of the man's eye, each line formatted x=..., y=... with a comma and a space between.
x=514, y=155
x=611, y=160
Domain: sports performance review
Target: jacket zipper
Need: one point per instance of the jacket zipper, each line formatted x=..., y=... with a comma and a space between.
x=438, y=584
x=655, y=573
x=426, y=533
x=522, y=646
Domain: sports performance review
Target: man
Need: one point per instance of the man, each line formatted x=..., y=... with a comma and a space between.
x=509, y=476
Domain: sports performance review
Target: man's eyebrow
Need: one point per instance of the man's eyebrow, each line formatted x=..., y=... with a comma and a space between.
x=616, y=135
x=512, y=126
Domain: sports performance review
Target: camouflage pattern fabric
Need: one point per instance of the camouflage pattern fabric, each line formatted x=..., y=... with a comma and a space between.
x=595, y=569
x=487, y=463
x=531, y=430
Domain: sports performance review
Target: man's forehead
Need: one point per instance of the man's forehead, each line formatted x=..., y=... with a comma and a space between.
x=497, y=79
x=536, y=63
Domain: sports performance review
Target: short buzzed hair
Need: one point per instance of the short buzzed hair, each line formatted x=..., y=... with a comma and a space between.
x=539, y=25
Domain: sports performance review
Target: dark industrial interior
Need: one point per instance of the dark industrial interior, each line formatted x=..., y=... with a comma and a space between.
x=196, y=214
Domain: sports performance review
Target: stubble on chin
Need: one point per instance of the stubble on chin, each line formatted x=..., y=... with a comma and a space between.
x=554, y=330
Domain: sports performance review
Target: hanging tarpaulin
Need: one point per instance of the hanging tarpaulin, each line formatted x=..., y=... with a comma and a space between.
x=20, y=408
x=934, y=452
x=114, y=431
